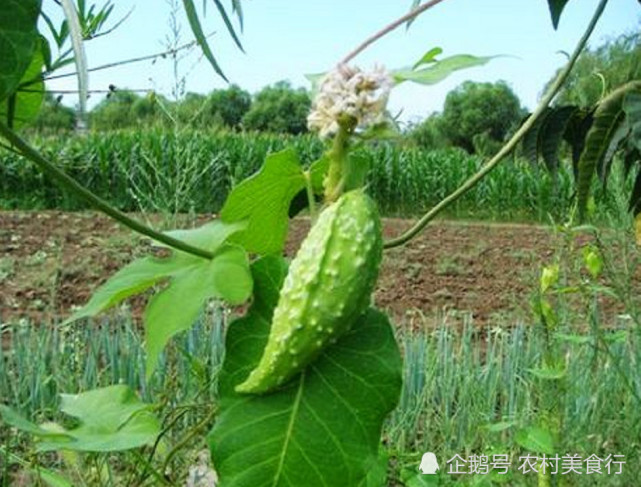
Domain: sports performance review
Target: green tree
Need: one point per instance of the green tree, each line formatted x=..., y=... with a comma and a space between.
x=125, y=109
x=115, y=111
x=473, y=109
x=229, y=105
x=54, y=116
x=599, y=71
x=279, y=108
x=427, y=134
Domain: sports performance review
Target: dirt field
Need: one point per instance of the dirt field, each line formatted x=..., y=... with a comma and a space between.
x=51, y=261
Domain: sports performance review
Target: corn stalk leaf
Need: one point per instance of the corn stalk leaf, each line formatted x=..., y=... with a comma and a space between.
x=608, y=117
x=321, y=429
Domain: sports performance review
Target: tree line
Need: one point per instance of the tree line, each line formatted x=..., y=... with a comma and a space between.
x=476, y=117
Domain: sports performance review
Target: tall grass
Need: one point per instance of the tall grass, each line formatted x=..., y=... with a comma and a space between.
x=189, y=171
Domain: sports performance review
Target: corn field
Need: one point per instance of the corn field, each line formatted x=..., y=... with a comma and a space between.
x=191, y=171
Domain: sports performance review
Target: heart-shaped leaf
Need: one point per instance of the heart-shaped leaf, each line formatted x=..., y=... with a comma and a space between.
x=111, y=419
x=323, y=428
x=263, y=200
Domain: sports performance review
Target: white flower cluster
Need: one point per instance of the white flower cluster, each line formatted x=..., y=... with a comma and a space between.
x=348, y=92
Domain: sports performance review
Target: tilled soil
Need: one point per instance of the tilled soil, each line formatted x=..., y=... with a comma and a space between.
x=51, y=261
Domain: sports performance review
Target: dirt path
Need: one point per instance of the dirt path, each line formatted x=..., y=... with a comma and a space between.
x=51, y=261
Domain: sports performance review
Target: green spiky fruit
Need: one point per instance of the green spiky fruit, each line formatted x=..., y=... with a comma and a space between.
x=327, y=288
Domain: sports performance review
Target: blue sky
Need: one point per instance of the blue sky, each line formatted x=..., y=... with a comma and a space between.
x=284, y=39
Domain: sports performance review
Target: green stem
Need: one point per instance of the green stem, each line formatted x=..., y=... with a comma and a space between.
x=188, y=437
x=148, y=467
x=336, y=171
x=72, y=185
x=310, y=195
x=510, y=145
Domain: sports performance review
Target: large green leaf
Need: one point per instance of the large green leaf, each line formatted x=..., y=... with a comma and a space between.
x=18, y=41
x=536, y=439
x=110, y=419
x=545, y=137
x=576, y=131
x=144, y=273
x=321, y=429
x=177, y=307
x=530, y=142
x=24, y=105
x=608, y=118
x=556, y=8
x=551, y=135
x=632, y=109
x=192, y=282
x=263, y=201
x=437, y=71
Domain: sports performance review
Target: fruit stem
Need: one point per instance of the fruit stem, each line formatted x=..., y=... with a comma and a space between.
x=337, y=156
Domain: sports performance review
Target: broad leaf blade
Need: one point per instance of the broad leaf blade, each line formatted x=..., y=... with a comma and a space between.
x=551, y=135
x=111, y=419
x=321, y=429
x=608, y=117
x=132, y=279
x=177, y=307
x=18, y=41
x=144, y=273
x=24, y=105
x=536, y=439
x=263, y=200
x=196, y=28
x=14, y=419
x=632, y=109
x=530, y=142
x=576, y=131
x=439, y=70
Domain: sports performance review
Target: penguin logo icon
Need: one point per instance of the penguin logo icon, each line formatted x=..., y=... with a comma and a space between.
x=429, y=464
